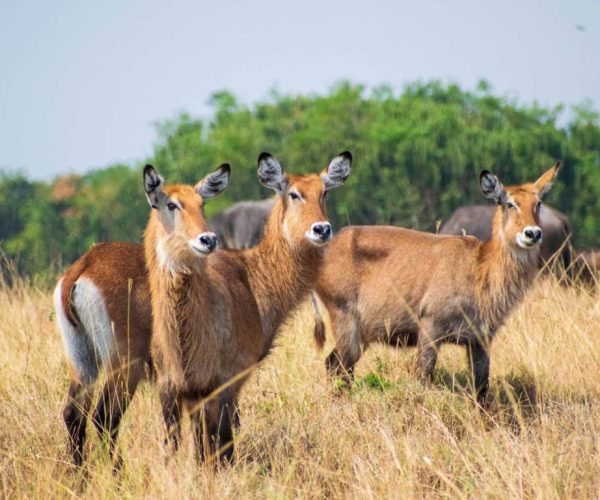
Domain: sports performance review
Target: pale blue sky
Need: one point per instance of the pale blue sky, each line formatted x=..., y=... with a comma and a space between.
x=81, y=82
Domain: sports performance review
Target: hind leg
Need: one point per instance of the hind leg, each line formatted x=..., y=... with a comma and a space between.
x=347, y=351
x=75, y=417
x=427, y=347
x=83, y=368
x=114, y=400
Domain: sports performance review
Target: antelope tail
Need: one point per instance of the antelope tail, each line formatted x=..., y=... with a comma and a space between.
x=319, y=331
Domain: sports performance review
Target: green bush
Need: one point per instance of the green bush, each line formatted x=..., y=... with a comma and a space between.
x=417, y=155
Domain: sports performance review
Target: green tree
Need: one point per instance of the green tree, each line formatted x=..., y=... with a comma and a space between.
x=417, y=156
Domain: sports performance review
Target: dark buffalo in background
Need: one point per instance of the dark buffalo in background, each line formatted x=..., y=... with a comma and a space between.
x=242, y=225
x=476, y=221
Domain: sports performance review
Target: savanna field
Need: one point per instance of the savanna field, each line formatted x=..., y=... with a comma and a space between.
x=387, y=437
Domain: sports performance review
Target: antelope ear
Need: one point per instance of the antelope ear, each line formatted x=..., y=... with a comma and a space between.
x=153, y=185
x=338, y=170
x=492, y=188
x=270, y=173
x=214, y=183
x=544, y=183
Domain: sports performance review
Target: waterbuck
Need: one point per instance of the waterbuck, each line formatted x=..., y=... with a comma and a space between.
x=477, y=220
x=104, y=315
x=404, y=287
x=271, y=278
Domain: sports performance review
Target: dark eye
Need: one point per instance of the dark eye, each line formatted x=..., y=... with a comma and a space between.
x=294, y=196
x=511, y=205
x=171, y=206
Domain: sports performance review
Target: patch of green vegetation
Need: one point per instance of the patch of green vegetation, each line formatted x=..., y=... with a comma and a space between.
x=374, y=381
x=340, y=384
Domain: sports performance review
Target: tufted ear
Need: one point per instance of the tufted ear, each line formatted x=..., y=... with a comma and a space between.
x=338, y=170
x=270, y=173
x=153, y=184
x=491, y=187
x=544, y=183
x=214, y=183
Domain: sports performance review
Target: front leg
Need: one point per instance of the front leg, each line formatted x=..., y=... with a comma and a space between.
x=171, y=401
x=221, y=430
x=479, y=361
x=213, y=425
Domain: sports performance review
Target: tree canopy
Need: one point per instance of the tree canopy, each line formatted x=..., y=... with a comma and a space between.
x=417, y=156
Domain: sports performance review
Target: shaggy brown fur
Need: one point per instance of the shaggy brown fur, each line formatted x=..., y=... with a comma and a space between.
x=264, y=284
x=411, y=288
x=126, y=298
x=215, y=318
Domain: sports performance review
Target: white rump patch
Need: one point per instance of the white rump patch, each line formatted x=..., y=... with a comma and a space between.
x=78, y=345
x=89, y=303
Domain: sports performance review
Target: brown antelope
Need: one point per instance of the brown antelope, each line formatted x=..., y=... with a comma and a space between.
x=404, y=287
x=271, y=278
x=103, y=312
x=191, y=303
x=555, y=248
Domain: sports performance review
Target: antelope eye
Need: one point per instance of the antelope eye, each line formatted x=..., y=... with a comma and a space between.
x=171, y=206
x=511, y=205
x=294, y=196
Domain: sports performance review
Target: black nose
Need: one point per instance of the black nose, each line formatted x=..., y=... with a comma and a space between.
x=209, y=241
x=533, y=234
x=323, y=230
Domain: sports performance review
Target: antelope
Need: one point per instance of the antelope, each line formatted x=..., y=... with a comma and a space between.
x=476, y=220
x=191, y=303
x=262, y=286
x=409, y=288
x=103, y=312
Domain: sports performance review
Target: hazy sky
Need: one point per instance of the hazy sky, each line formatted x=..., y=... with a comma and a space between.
x=82, y=81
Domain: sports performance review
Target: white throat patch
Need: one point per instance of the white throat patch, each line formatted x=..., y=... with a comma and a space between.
x=165, y=261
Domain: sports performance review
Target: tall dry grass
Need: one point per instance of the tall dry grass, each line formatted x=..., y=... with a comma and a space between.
x=388, y=437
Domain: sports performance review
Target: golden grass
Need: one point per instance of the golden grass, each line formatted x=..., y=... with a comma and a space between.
x=389, y=437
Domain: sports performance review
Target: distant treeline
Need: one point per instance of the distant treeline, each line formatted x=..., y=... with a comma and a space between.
x=417, y=155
